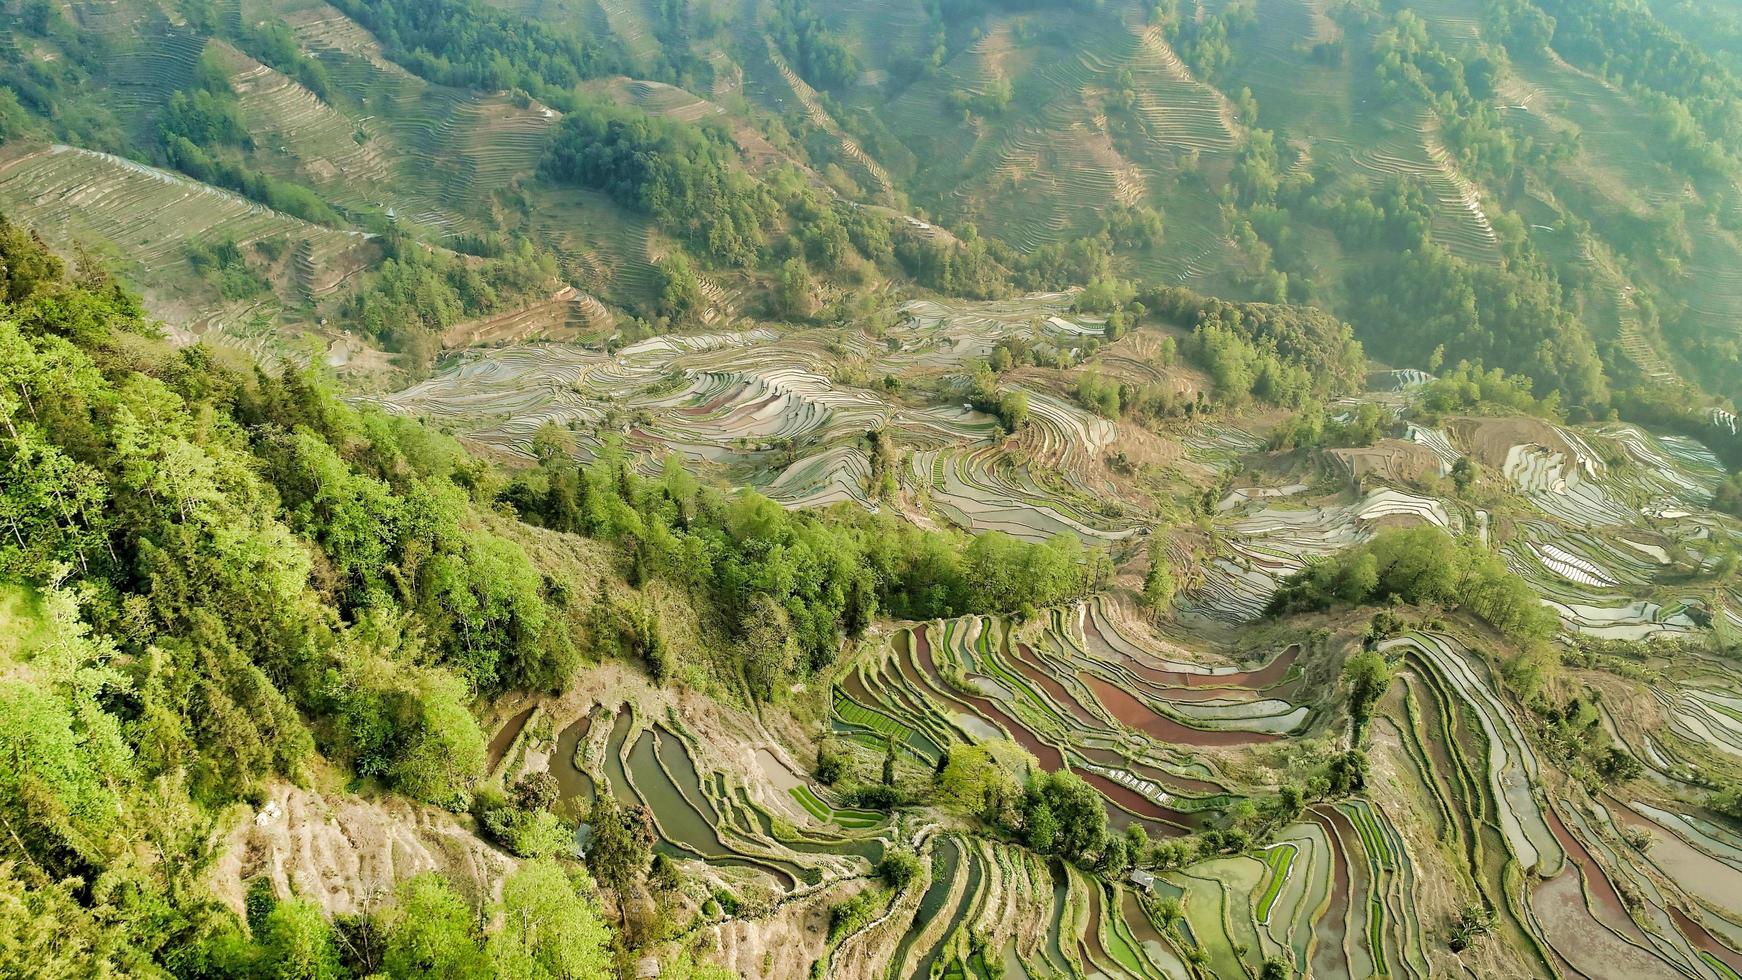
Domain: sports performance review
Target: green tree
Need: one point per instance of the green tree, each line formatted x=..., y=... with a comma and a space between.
x=985, y=779
x=898, y=868
x=1158, y=582
x=621, y=842
x=1367, y=675
x=552, y=925
x=430, y=932
x=792, y=294
x=299, y=945
x=680, y=292
x=1077, y=818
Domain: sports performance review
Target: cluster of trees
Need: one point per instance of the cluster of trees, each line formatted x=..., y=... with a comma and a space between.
x=1146, y=403
x=1727, y=801
x=1416, y=565
x=416, y=293
x=1020, y=351
x=1410, y=296
x=1469, y=389
x=469, y=44
x=1728, y=496
x=682, y=175
x=1008, y=405
x=1703, y=99
x=1133, y=226
x=1410, y=66
x=1054, y=813
x=1206, y=43
x=791, y=585
x=1366, y=675
x=967, y=268
x=1574, y=735
x=1313, y=428
x=1158, y=582
x=826, y=234
x=1282, y=355
x=991, y=99
x=1512, y=317
x=1410, y=63
x=690, y=180
x=886, y=461
x=552, y=927
x=58, y=91
x=222, y=264
x=1001, y=785
x=272, y=42
x=1522, y=26
x=1244, y=369
x=818, y=55
x=1106, y=294
x=1099, y=395
x=523, y=821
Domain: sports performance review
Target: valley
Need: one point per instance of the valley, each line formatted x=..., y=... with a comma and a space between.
x=901, y=489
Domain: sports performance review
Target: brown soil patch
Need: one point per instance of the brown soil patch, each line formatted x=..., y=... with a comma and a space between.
x=1395, y=460
x=346, y=854
x=566, y=314
x=1489, y=440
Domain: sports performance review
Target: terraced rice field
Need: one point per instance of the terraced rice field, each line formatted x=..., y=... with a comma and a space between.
x=739, y=828
x=1062, y=695
x=1173, y=737
x=152, y=216
x=1414, y=150
x=764, y=406
x=318, y=145
x=446, y=151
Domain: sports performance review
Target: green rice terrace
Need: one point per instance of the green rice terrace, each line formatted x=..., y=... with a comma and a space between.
x=876, y=489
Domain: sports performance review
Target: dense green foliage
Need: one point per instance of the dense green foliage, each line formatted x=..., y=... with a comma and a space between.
x=415, y=294
x=1313, y=428
x=1633, y=48
x=1467, y=389
x=276, y=551
x=690, y=179
x=204, y=135
x=792, y=585
x=681, y=175
x=817, y=54
x=55, y=94
x=470, y=44
x=1366, y=674
x=1728, y=497
x=1277, y=354
x=1511, y=318
x=957, y=268
x=1417, y=565
x=1008, y=405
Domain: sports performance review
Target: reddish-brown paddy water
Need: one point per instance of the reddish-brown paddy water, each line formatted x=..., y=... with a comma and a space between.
x=1134, y=713
x=1137, y=803
x=1260, y=678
